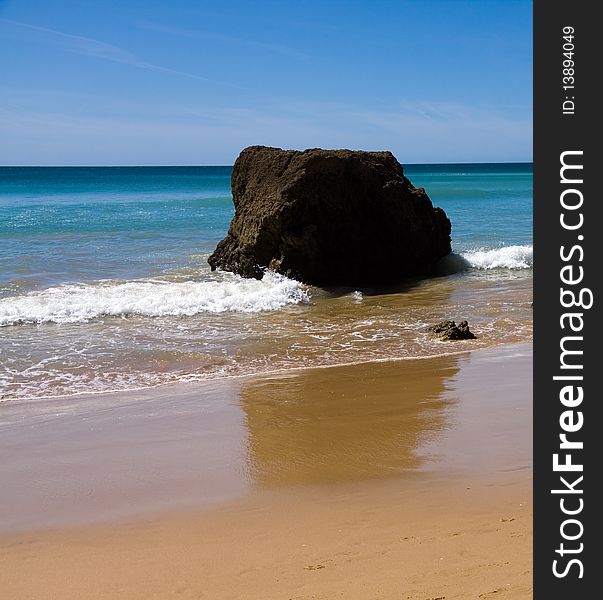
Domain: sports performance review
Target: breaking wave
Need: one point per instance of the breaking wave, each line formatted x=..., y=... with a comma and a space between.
x=507, y=257
x=80, y=303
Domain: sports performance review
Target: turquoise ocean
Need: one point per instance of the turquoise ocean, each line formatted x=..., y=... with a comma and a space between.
x=104, y=282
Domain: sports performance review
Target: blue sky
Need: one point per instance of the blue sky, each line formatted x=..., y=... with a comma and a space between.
x=193, y=82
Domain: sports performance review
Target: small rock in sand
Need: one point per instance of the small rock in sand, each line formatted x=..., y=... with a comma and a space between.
x=449, y=330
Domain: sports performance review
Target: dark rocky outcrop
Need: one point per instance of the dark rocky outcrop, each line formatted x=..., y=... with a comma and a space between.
x=330, y=217
x=449, y=330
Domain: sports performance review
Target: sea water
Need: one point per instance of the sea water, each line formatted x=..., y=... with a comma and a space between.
x=104, y=282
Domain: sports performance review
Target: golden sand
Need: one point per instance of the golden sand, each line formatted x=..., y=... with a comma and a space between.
x=405, y=480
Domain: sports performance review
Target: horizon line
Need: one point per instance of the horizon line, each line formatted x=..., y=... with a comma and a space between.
x=150, y=166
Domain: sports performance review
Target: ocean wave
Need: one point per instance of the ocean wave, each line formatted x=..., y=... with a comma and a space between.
x=80, y=303
x=507, y=257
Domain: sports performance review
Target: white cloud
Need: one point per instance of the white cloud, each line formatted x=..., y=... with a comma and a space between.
x=97, y=49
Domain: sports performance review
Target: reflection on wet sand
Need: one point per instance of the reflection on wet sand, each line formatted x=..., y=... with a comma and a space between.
x=105, y=457
x=345, y=423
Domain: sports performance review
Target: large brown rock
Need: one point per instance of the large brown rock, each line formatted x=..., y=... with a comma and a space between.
x=330, y=217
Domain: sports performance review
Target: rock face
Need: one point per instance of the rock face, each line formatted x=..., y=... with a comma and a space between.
x=449, y=330
x=330, y=217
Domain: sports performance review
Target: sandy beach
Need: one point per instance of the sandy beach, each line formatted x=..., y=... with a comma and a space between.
x=266, y=300
x=406, y=479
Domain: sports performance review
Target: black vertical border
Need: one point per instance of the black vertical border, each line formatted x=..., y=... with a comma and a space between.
x=555, y=133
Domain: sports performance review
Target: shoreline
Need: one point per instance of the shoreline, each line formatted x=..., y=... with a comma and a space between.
x=401, y=479
x=38, y=400
x=222, y=377
x=196, y=414
x=71, y=439
x=123, y=355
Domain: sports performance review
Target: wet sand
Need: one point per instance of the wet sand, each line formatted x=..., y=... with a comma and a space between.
x=408, y=479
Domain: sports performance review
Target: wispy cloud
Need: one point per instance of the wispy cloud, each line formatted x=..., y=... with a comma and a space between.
x=210, y=36
x=150, y=133
x=97, y=49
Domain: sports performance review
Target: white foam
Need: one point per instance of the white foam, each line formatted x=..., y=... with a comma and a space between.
x=153, y=298
x=507, y=257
